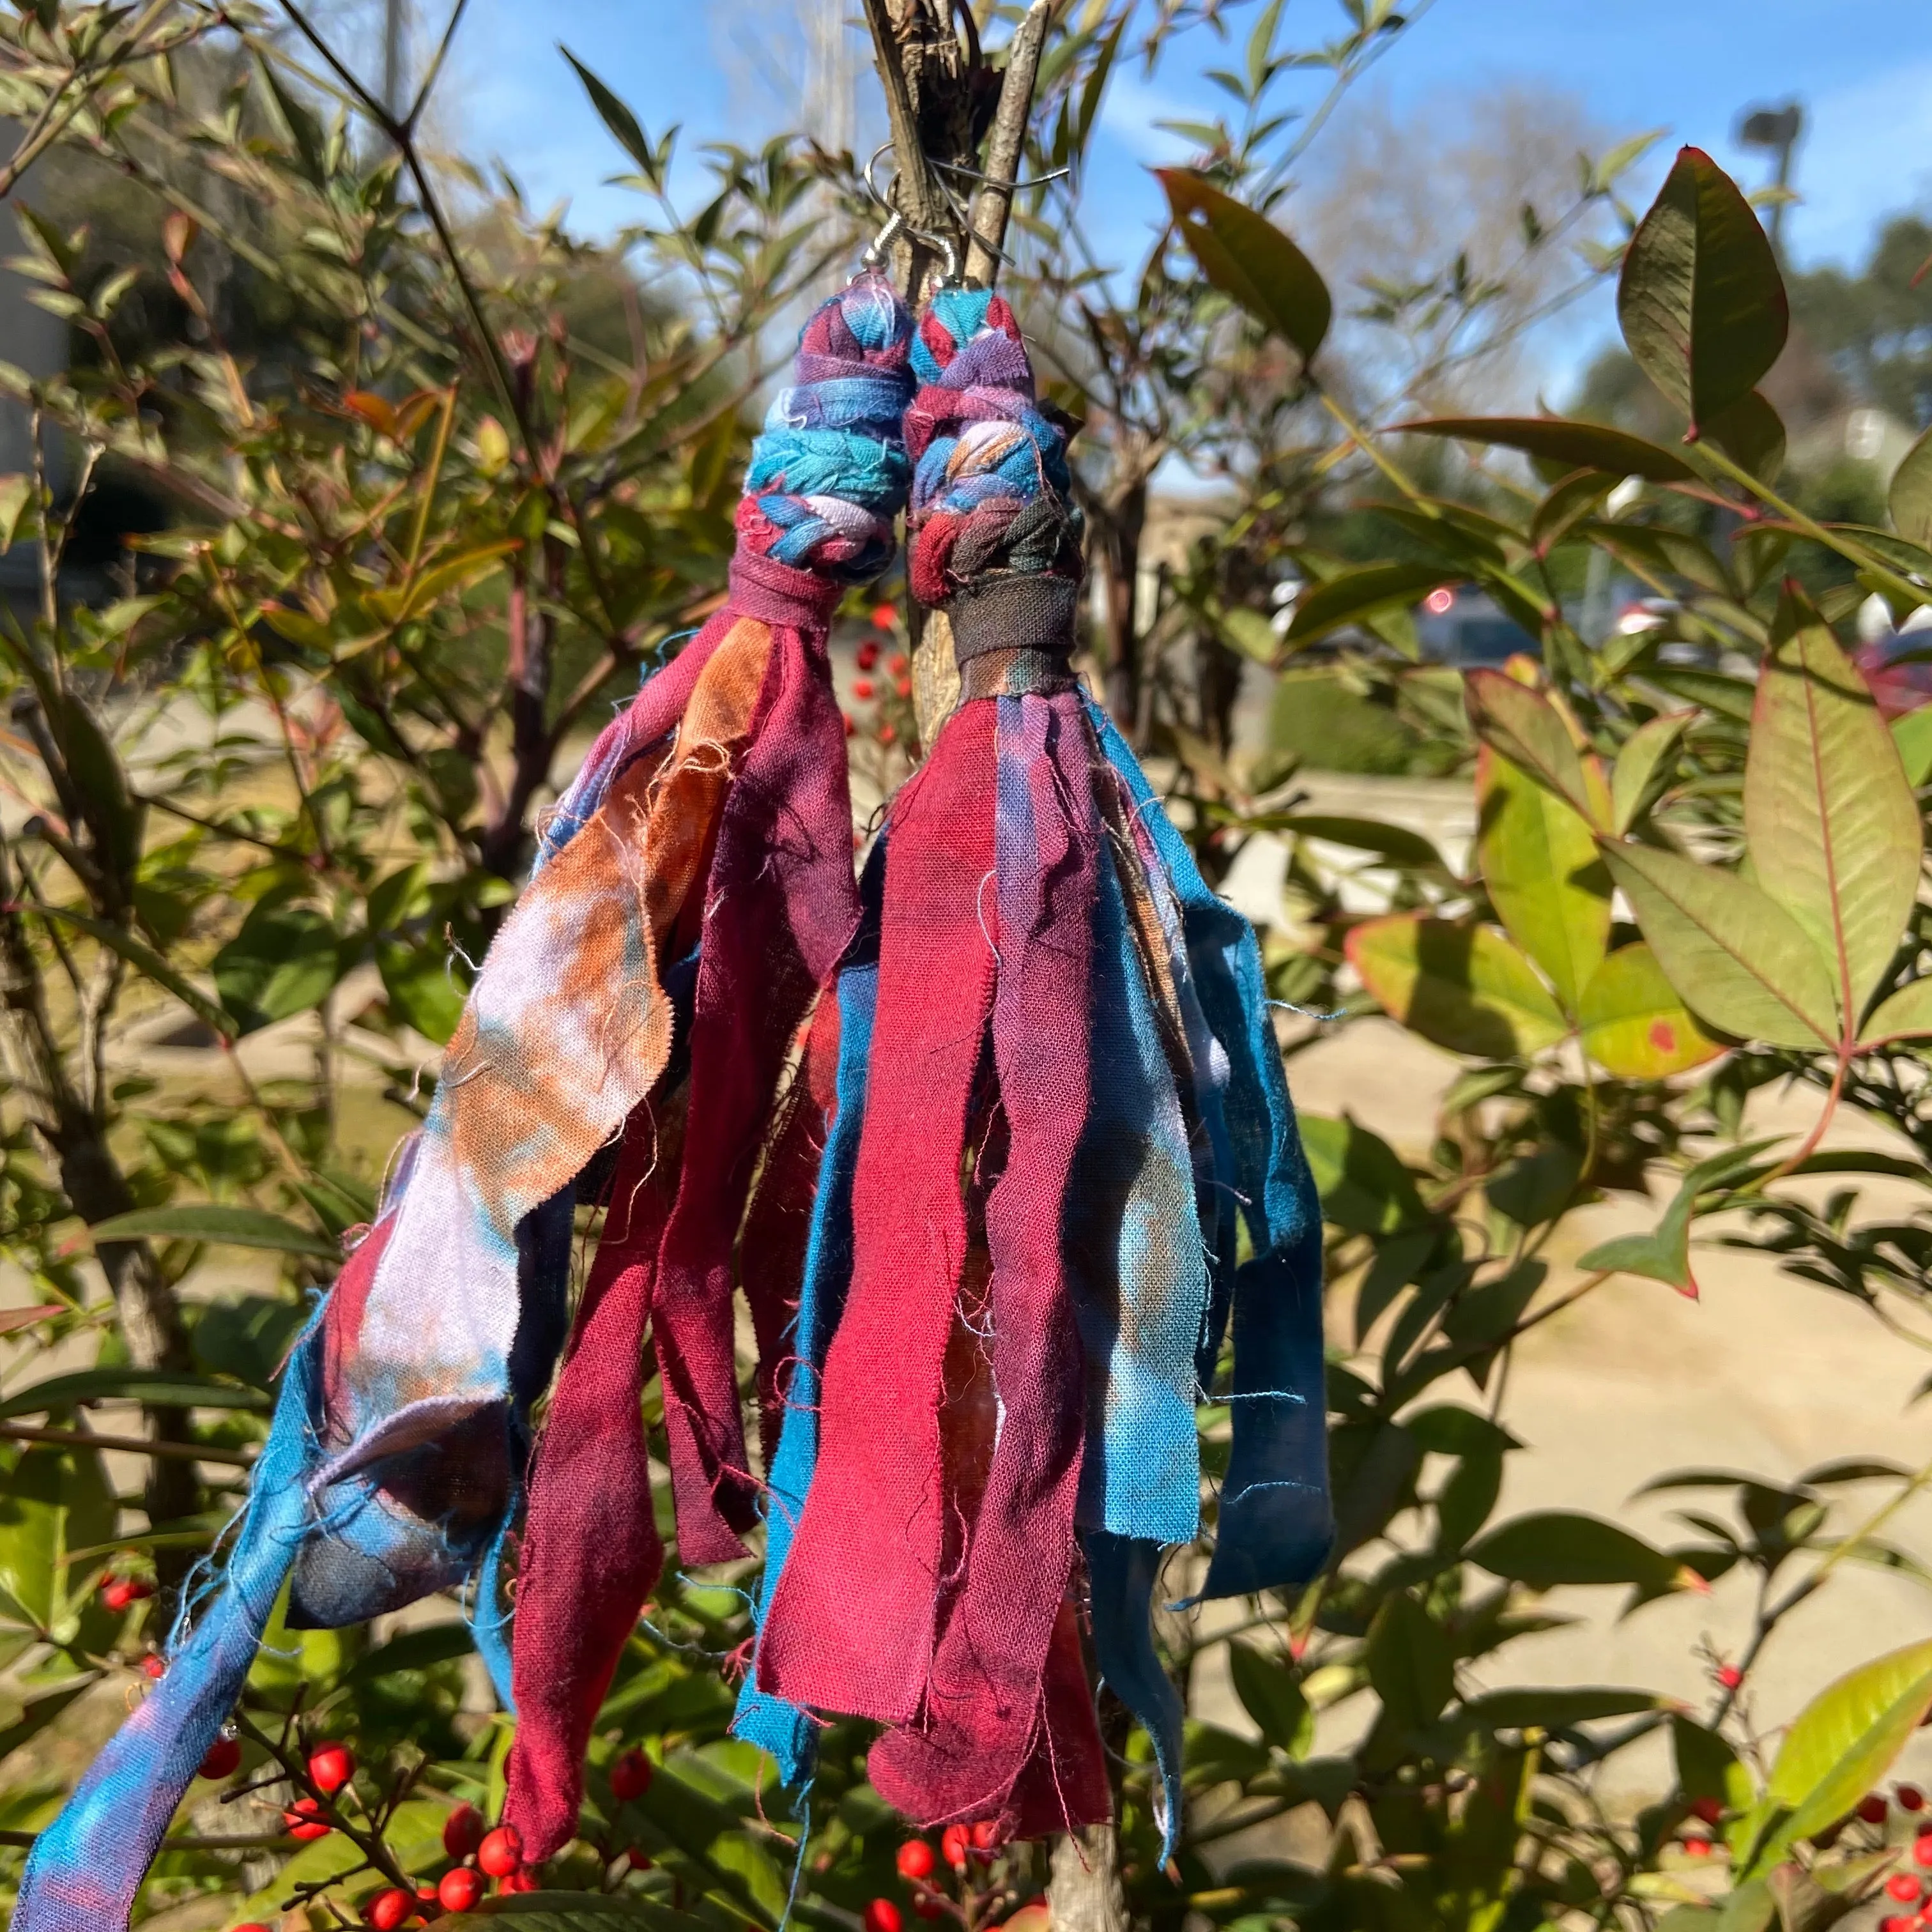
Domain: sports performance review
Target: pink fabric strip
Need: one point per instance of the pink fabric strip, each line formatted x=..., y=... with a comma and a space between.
x=591, y=1553
x=983, y=1701
x=851, y=1623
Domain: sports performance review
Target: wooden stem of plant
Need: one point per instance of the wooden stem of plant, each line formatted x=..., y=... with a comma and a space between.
x=1083, y=1887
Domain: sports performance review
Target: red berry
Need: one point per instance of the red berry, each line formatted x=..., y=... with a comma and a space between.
x=1909, y=1798
x=117, y=1593
x=154, y=1665
x=640, y=1858
x=462, y=1831
x=904, y=687
x=884, y=617
x=331, y=1766
x=898, y=664
x=953, y=1843
x=916, y=1859
x=1872, y=1809
x=887, y=732
x=1905, y=1888
x=861, y=688
x=851, y=725
x=986, y=1835
x=1710, y=1810
x=516, y=1881
x=460, y=1889
x=303, y=1820
x=254, y=1925
x=882, y=1915
x=1922, y=1850
x=926, y=1906
x=1896, y=1924
x=1698, y=1848
x=388, y=1909
x=867, y=655
x=1729, y=1676
x=630, y=1777
x=223, y=1759
x=139, y=1590
x=501, y=1854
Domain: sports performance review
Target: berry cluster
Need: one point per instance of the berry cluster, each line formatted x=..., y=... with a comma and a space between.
x=884, y=683
x=968, y=1892
x=477, y=1853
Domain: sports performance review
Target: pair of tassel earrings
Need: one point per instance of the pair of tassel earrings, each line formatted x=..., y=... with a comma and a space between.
x=1037, y=1156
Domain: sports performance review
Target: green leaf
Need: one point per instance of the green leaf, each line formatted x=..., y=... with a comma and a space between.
x=405, y=601
x=1551, y=1547
x=1546, y=879
x=1411, y=1664
x=1663, y=1253
x=284, y=961
x=16, y=492
x=1906, y=1015
x=150, y=965
x=1909, y=499
x=1634, y=1026
x=1529, y=731
x=420, y=988
x=1643, y=766
x=1269, y=1694
x=1702, y=304
x=1707, y=1767
x=1358, y=595
x=1843, y=1743
x=1400, y=844
x=209, y=1221
x=1576, y=497
x=1912, y=733
x=53, y=1500
x=158, y=1387
x=1554, y=1707
x=1464, y=987
x=615, y=116
x=1363, y=1186
x=1833, y=826
x=1751, y=433
x=1250, y=260
x=1577, y=446
x=1740, y=961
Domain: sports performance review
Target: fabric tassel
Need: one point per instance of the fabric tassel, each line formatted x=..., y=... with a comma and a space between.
x=1070, y=1065
x=751, y=798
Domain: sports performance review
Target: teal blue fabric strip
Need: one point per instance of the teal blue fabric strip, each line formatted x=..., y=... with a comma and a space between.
x=1276, y=1522
x=1135, y=1258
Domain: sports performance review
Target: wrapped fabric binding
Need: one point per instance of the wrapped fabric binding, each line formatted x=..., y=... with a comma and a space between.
x=1058, y=1090
x=694, y=888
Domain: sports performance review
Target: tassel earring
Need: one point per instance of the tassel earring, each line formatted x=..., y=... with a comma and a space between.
x=776, y=908
x=693, y=887
x=1057, y=1094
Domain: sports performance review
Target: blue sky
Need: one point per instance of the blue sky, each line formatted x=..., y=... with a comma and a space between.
x=1863, y=69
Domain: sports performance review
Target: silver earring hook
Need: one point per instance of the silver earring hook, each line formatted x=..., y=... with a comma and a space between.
x=896, y=224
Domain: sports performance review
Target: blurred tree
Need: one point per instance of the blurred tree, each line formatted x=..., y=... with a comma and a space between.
x=1876, y=326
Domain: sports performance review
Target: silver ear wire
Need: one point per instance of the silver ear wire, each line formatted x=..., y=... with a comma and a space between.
x=897, y=224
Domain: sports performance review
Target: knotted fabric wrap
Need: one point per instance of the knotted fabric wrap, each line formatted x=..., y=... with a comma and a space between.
x=1064, y=1085
x=705, y=845
x=754, y=789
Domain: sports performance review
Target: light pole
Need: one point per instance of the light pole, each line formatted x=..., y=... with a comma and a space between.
x=1776, y=128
